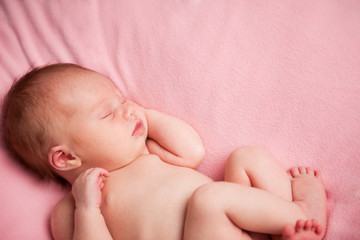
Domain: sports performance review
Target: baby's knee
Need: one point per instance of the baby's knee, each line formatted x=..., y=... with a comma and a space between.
x=205, y=199
x=246, y=151
x=247, y=155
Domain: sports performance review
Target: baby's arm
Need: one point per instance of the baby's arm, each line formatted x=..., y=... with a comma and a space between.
x=173, y=140
x=89, y=222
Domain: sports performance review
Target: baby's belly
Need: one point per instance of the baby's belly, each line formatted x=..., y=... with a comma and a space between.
x=149, y=200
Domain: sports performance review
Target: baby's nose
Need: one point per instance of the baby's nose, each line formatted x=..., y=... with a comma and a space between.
x=128, y=113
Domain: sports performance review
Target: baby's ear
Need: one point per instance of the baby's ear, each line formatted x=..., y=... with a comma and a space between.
x=62, y=159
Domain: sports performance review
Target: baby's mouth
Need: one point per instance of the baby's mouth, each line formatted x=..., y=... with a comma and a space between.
x=139, y=128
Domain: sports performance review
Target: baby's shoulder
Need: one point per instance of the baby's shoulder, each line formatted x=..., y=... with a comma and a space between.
x=62, y=218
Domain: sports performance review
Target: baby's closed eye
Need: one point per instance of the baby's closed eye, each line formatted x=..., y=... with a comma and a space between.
x=108, y=115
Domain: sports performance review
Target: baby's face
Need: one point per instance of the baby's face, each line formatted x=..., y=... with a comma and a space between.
x=103, y=128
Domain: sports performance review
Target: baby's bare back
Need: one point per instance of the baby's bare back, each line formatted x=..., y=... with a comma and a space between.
x=148, y=199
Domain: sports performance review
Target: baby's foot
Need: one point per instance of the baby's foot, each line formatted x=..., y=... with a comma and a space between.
x=304, y=230
x=309, y=193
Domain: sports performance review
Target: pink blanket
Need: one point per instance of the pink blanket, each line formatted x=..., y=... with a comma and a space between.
x=283, y=74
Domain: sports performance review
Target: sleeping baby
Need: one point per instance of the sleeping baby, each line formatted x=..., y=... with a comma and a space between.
x=132, y=169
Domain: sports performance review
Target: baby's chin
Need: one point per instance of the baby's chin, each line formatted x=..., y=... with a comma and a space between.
x=146, y=150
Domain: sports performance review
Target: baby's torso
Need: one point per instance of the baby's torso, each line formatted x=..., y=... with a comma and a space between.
x=148, y=199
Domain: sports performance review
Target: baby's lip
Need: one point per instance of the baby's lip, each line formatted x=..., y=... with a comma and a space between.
x=139, y=128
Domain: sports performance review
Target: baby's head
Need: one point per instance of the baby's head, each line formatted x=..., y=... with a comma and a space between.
x=62, y=119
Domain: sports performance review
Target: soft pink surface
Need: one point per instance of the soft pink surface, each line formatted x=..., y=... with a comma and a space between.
x=284, y=75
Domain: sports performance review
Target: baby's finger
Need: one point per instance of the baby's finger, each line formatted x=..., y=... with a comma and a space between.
x=105, y=173
x=101, y=172
x=97, y=173
x=86, y=172
x=100, y=182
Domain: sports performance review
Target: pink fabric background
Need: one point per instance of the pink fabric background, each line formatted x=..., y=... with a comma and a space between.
x=280, y=74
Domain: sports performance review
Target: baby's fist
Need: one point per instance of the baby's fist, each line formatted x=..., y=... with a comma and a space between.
x=87, y=188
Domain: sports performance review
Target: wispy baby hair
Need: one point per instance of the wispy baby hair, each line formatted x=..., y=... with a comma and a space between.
x=26, y=120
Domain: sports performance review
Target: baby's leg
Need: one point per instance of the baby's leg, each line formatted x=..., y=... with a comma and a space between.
x=256, y=167
x=220, y=210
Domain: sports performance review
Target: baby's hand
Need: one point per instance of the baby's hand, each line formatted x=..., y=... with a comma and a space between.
x=87, y=188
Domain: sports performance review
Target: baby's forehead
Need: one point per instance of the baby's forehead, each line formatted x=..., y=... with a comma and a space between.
x=84, y=85
x=85, y=77
x=78, y=80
